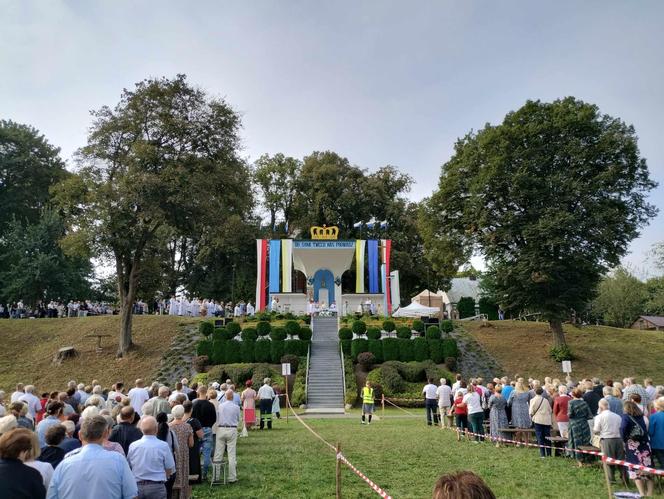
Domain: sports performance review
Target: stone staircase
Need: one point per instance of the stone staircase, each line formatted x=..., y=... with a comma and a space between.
x=325, y=388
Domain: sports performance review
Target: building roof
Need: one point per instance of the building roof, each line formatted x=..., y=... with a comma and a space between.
x=654, y=319
x=462, y=286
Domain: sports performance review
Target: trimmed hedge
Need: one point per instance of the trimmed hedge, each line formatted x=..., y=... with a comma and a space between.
x=390, y=349
x=447, y=326
x=418, y=325
x=249, y=334
x=204, y=347
x=420, y=349
x=305, y=333
x=262, y=350
x=346, y=346
x=373, y=333
x=450, y=348
x=206, y=328
x=436, y=352
x=404, y=332
x=359, y=328
x=388, y=326
x=263, y=328
x=296, y=347
x=345, y=333
x=405, y=349
x=219, y=334
x=248, y=348
x=278, y=334
x=292, y=328
x=358, y=346
x=276, y=351
x=433, y=333
x=233, y=328
x=376, y=348
x=232, y=352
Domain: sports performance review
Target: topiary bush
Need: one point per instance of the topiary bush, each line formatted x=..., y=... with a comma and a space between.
x=249, y=334
x=366, y=360
x=390, y=349
x=296, y=347
x=436, y=351
x=433, y=333
x=264, y=316
x=390, y=380
x=405, y=349
x=248, y=348
x=218, y=351
x=232, y=352
x=447, y=326
x=278, y=334
x=373, y=333
x=262, y=350
x=219, y=334
x=292, y=328
x=420, y=349
x=389, y=326
x=276, y=350
x=488, y=307
x=263, y=328
x=345, y=346
x=204, y=347
x=345, y=334
x=376, y=348
x=206, y=328
x=233, y=328
x=404, y=332
x=359, y=328
x=466, y=307
x=358, y=346
x=305, y=333
x=418, y=325
x=450, y=348
x=293, y=360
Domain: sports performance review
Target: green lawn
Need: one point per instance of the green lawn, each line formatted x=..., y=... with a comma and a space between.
x=402, y=455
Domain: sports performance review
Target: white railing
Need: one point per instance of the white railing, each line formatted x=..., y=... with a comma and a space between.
x=478, y=317
x=343, y=370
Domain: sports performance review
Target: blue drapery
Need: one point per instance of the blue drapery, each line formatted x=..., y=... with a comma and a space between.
x=372, y=245
x=275, y=259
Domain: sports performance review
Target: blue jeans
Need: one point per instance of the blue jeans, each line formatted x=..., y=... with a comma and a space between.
x=541, y=432
x=206, y=448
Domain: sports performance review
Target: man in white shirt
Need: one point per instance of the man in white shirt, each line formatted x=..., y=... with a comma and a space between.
x=444, y=393
x=607, y=425
x=151, y=461
x=265, y=399
x=176, y=392
x=228, y=416
x=457, y=384
x=138, y=396
x=20, y=391
x=32, y=401
x=431, y=401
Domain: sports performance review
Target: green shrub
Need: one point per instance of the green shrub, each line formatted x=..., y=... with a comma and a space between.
x=390, y=380
x=248, y=348
x=263, y=328
x=204, y=347
x=373, y=333
x=352, y=390
x=346, y=346
x=298, y=396
x=264, y=316
x=279, y=317
x=390, y=349
x=561, y=353
x=262, y=350
x=232, y=352
x=447, y=326
x=418, y=326
x=358, y=346
x=201, y=379
x=278, y=334
x=433, y=333
x=233, y=328
x=293, y=360
x=410, y=371
x=218, y=349
x=404, y=332
x=436, y=351
x=405, y=349
x=359, y=328
x=305, y=333
x=262, y=371
x=389, y=326
x=249, y=334
x=292, y=328
x=420, y=349
x=290, y=316
x=466, y=307
x=451, y=363
x=366, y=360
x=450, y=348
x=206, y=328
x=376, y=348
x=345, y=334
x=276, y=350
x=488, y=307
x=296, y=347
x=219, y=334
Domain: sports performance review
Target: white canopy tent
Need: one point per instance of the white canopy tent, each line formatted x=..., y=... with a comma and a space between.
x=416, y=310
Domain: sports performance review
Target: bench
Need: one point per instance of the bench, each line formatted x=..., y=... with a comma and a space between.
x=516, y=432
x=559, y=443
x=99, y=336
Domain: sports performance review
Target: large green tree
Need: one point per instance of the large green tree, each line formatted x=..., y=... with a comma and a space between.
x=163, y=162
x=29, y=167
x=276, y=177
x=551, y=197
x=621, y=298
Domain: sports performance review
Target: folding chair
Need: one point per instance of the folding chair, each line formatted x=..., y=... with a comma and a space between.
x=219, y=473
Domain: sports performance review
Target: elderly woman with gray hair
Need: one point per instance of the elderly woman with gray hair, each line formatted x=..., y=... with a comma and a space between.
x=185, y=440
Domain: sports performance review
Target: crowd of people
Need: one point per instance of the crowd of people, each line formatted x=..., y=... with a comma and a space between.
x=196, y=307
x=56, y=309
x=625, y=420
x=150, y=442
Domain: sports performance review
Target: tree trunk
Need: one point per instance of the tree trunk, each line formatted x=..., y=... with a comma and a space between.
x=127, y=272
x=558, y=334
x=126, y=317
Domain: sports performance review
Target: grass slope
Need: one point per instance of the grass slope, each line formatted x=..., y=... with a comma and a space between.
x=522, y=348
x=28, y=347
x=403, y=456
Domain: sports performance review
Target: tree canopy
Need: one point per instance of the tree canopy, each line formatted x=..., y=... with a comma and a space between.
x=551, y=197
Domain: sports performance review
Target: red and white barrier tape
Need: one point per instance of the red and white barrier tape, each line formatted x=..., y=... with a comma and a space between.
x=640, y=467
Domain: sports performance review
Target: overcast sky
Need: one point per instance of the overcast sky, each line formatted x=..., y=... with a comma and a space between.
x=379, y=82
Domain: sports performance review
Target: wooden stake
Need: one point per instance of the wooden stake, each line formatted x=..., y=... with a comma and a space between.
x=338, y=472
x=606, y=475
x=383, y=403
x=287, y=399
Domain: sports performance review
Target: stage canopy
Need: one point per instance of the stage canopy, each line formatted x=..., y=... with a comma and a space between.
x=416, y=310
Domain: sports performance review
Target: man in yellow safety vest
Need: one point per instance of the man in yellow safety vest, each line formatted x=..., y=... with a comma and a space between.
x=367, y=402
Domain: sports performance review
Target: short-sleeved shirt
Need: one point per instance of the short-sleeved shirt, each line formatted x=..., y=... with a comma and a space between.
x=444, y=393
x=265, y=392
x=229, y=414
x=138, y=397
x=429, y=391
x=92, y=472
x=473, y=402
x=149, y=459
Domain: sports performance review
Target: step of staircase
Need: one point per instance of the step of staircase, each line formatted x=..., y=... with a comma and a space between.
x=325, y=391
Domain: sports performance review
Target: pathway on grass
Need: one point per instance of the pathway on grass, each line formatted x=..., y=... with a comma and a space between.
x=475, y=360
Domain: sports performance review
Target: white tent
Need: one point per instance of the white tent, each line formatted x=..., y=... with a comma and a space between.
x=416, y=310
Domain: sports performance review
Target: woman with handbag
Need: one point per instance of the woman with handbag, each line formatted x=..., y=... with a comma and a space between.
x=540, y=413
x=634, y=432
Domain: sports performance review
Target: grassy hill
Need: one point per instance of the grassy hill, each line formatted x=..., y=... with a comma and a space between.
x=27, y=348
x=522, y=348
